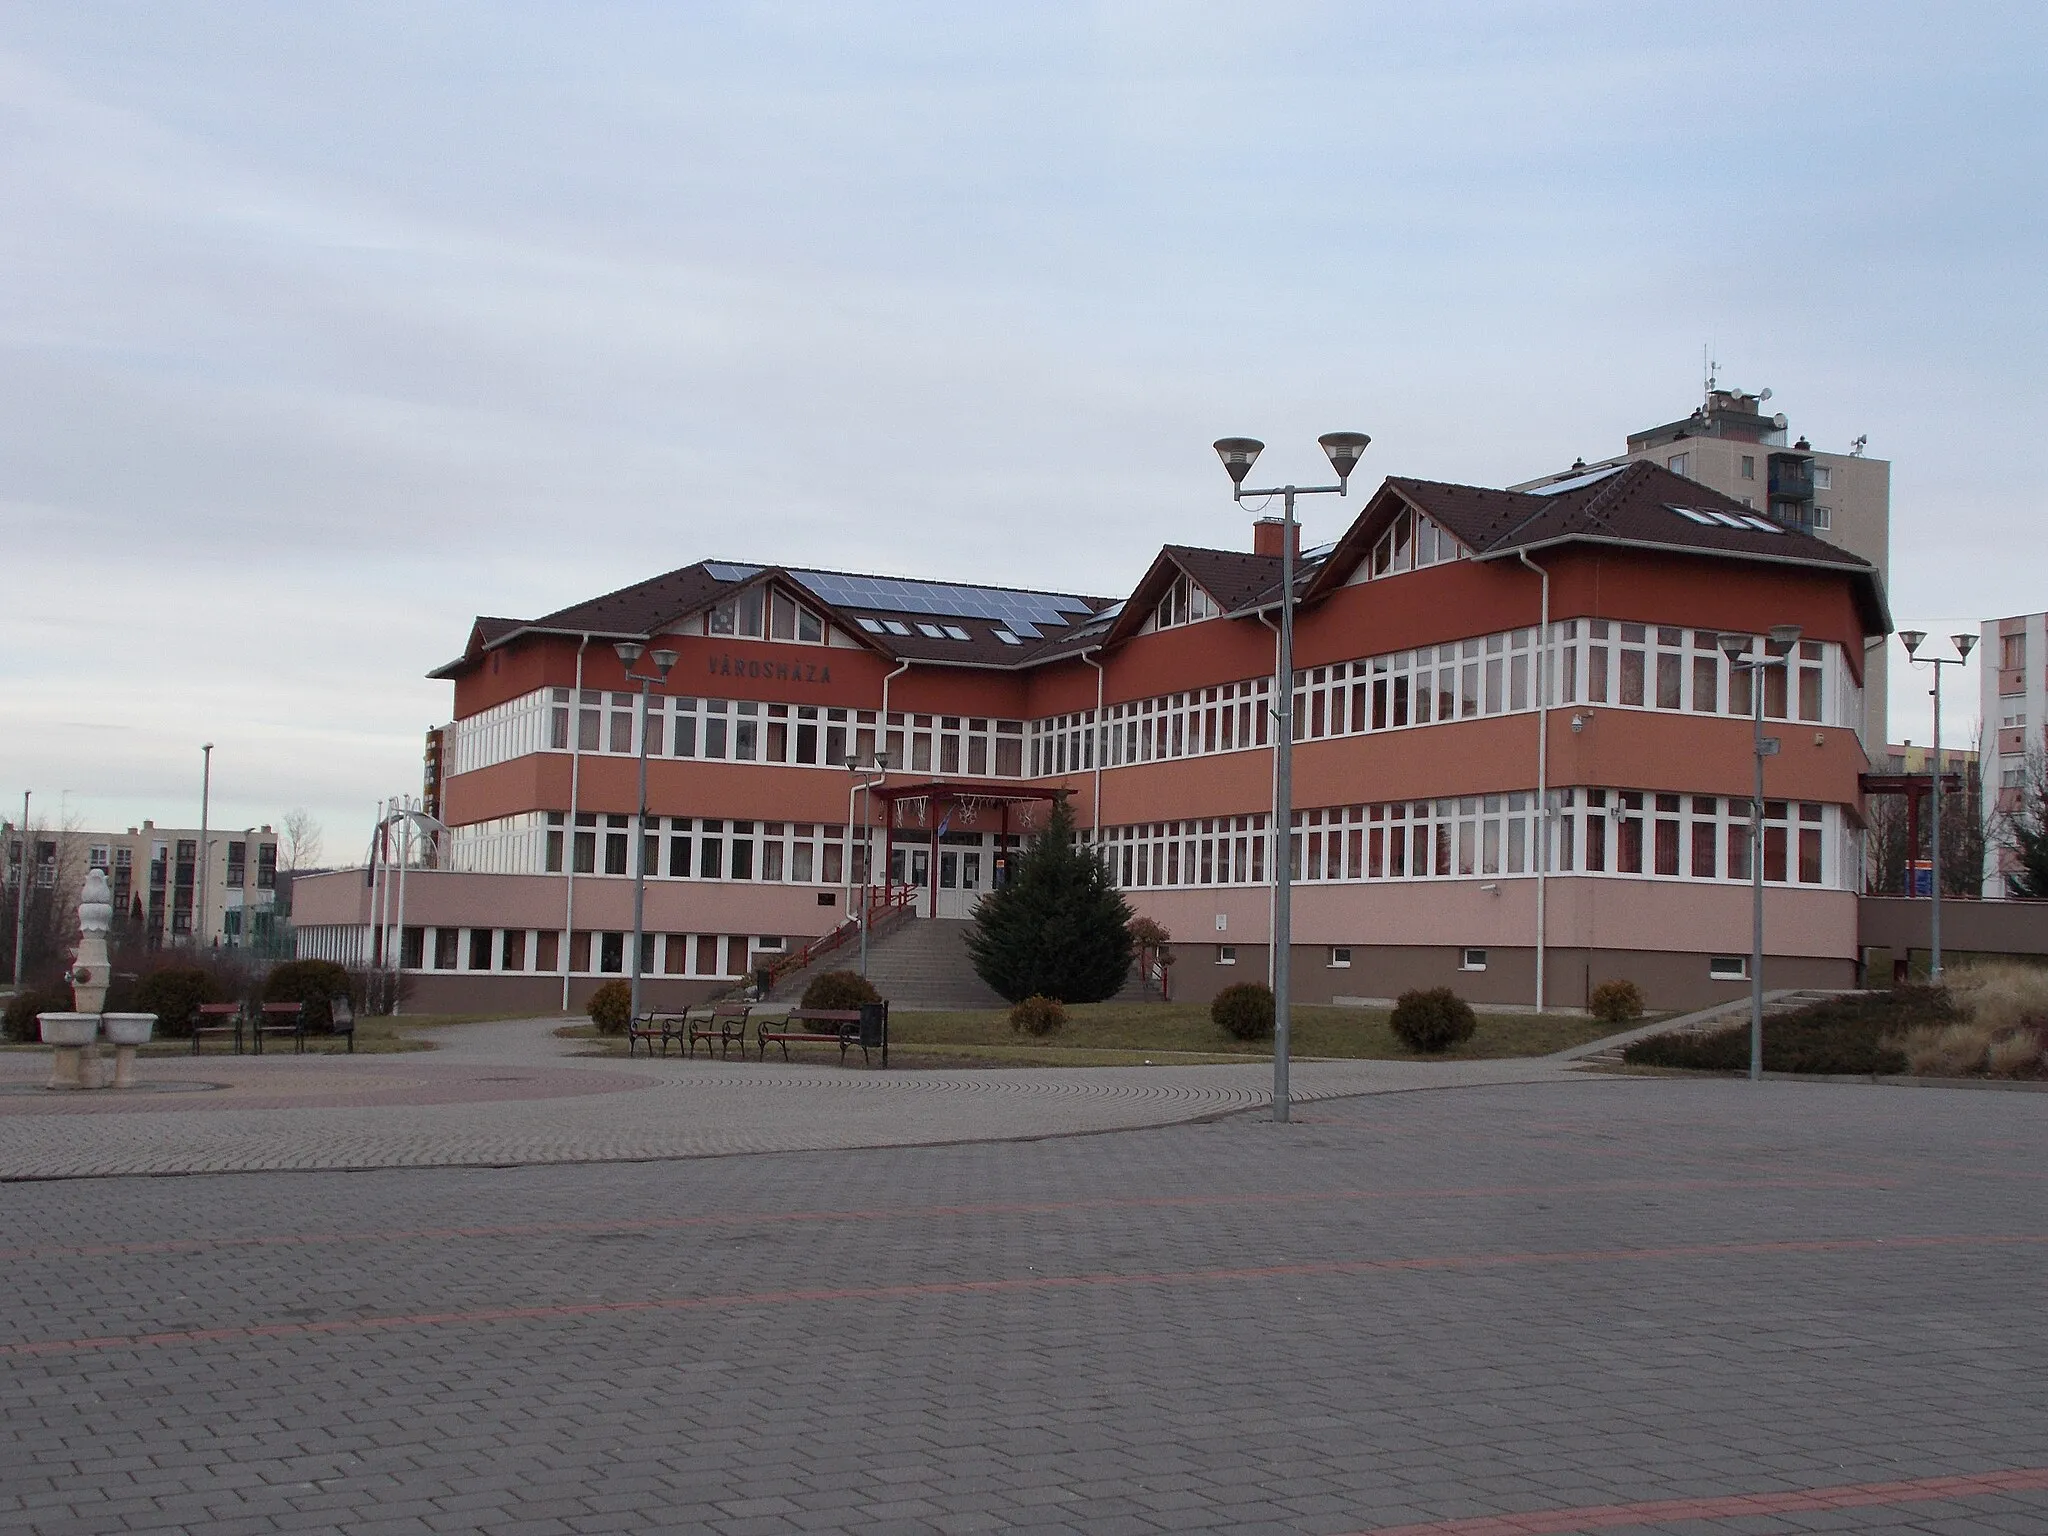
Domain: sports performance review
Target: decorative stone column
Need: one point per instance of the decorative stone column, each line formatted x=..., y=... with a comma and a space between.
x=75, y=1036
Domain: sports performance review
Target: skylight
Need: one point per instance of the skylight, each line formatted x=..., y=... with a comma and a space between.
x=955, y=632
x=872, y=626
x=896, y=626
x=1699, y=517
x=1007, y=638
x=931, y=631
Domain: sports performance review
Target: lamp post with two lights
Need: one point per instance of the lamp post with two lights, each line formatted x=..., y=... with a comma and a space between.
x=1964, y=644
x=1344, y=450
x=1777, y=653
x=664, y=661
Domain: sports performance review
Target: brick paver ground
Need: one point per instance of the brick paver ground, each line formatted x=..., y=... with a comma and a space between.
x=1580, y=1304
x=494, y=1094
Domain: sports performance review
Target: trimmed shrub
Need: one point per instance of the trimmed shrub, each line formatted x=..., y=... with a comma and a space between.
x=1245, y=1011
x=173, y=993
x=839, y=989
x=1432, y=1020
x=1038, y=1016
x=23, y=1007
x=311, y=982
x=1617, y=1002
x=611, y=1007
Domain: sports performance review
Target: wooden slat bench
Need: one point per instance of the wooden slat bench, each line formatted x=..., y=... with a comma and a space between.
x=222, y=1019
x=725, y=1023
x=814, y=1026
x=651, y=1027
x=282, y=1019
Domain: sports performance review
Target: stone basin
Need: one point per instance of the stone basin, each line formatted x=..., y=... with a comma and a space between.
x=128, y=1028
x=70, y=1028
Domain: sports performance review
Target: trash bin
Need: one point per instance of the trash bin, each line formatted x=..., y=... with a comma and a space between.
x=874, y=1029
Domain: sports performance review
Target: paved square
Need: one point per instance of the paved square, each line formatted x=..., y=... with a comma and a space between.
x=1577, y=1304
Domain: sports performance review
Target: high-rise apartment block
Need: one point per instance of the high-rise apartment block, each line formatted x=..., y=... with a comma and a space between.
x=2015, y=719
x=156, y=878
x=1729, y=445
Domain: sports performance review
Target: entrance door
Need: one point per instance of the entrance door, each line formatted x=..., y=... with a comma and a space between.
x=960, y=882
x=913, y=866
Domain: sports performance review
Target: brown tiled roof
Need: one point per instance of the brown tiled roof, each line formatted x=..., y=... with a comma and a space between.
x=641, y=608
x=1636, y=505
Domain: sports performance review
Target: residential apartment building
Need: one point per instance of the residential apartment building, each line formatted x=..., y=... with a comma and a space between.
x=1505, y=705
x=2014, y=711
x=155, y=873
x=1728, y=443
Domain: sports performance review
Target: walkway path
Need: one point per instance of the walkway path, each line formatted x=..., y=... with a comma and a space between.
x=512, y=1093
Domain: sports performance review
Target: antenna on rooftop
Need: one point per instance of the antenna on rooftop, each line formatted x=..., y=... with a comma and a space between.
x=1856, y=448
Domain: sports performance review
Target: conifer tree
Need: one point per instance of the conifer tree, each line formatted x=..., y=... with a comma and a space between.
x=1058, y=929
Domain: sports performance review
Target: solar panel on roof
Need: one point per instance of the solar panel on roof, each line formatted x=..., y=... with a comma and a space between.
x=1575, y=482
x=904, y=596
x=719, y=570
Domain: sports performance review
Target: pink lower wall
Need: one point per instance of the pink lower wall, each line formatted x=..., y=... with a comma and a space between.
x=1584, y=913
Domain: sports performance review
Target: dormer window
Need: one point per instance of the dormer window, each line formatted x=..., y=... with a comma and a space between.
x=739, y=615
x=1411, y=542
x=763, y=613
x=1185, y=603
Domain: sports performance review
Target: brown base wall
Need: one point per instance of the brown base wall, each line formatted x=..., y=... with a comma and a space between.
x=1669, y=981
x=541, y=996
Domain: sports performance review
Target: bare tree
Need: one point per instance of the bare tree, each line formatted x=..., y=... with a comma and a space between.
x=2019, y=828
x=302, y=839
x=53, y=865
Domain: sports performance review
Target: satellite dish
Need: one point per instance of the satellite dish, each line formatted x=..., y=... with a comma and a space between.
x=1780, y=421
x=1763, y=397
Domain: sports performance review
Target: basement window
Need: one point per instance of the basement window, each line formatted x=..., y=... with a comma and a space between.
x=1226, y=954
x=1472, y=960
x=1728, y=968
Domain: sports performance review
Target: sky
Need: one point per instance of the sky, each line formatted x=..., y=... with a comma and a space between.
x=324, y=328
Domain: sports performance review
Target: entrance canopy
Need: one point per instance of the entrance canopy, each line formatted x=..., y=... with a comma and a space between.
x=942, y=871
x=937, y=805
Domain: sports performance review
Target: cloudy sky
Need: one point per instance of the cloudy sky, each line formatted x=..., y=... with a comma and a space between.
x=324, y=328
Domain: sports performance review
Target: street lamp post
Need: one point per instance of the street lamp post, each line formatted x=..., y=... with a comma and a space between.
x=205, y=798
x=1344, y=450
x=664, y=661
x=1911, y=639
x=1777, y=653
x=878, y=764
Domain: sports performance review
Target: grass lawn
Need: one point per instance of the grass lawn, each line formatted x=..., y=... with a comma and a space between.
x=1180, y=1034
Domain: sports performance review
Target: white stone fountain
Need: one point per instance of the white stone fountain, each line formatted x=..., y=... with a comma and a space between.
x=74, y=1037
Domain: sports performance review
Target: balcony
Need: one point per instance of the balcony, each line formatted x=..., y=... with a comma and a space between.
x=1791, y=478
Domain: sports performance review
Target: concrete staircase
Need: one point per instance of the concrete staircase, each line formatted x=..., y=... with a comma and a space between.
x=921, y=963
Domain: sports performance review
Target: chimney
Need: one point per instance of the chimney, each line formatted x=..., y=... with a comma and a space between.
x=1266, y=536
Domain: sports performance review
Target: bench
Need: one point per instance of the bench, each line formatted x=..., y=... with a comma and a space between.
x=223, y=1019
x=651, y=1027
x=725, y=1023
x=814, y=1026
x=283, y=1019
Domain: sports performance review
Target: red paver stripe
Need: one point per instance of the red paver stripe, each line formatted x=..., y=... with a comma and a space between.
x=1607, y=1517
x=933, y=1212
x=1022, y=1283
